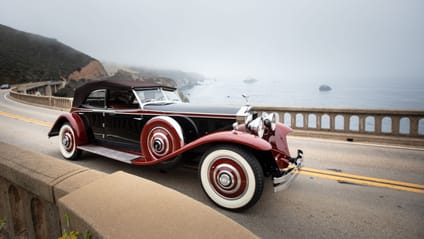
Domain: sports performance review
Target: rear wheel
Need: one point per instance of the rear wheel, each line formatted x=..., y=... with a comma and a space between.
x=67, y=144
x=231, y=177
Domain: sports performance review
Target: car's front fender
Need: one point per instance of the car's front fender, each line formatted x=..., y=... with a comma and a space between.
x=234, y=137
x=280, y=138
x=76, y=123
x=225, y=137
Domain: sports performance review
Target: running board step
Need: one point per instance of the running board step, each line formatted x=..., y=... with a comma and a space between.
x=110, y=153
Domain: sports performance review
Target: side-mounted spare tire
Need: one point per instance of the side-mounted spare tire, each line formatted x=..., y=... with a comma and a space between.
x=231, y=177
x=161, y=136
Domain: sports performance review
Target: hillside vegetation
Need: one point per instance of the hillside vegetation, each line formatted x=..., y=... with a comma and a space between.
x=26, y=57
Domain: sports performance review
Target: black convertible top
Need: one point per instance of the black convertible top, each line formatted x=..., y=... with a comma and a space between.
x=83, y=91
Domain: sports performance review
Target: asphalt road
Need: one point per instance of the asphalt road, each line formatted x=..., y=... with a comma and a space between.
x=328, y=203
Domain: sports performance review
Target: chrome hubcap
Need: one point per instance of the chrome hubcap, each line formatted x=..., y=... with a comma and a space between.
x=225, y=180
x=158, y=145
x=228, y=178
x=67, y=141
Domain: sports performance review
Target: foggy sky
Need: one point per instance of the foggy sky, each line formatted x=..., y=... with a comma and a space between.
x=298, y=39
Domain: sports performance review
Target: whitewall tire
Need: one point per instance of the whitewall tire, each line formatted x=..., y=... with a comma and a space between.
x=67, y=144
x=231, y=177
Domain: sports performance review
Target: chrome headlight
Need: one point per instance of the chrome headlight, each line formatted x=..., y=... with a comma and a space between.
x=270, y=120
x=257, y=126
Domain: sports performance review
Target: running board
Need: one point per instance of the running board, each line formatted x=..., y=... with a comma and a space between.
x=110, y=153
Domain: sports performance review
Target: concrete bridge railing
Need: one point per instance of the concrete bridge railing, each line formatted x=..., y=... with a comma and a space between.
x=40, y=88
x=51, y=101
x=374, y=125
x=404, y=127
x=42, y=197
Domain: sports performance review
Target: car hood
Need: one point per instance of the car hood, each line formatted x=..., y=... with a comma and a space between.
x=195, y=109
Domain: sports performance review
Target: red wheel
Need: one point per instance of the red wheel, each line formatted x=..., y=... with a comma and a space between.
x=161, y=136
x=231, y=177
x=67, y=144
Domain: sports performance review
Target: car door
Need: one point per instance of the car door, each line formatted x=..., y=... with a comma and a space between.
x=94, y=113
x=123, y=120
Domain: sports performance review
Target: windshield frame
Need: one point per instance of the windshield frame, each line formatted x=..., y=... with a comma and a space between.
x=162, y=96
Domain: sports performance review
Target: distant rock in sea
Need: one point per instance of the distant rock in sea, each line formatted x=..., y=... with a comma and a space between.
x=324, y=88
x=250, y=80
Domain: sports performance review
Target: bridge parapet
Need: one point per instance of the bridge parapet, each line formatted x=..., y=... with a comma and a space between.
x=404, y=127
x=375, y=125
x=40, y=88
x=37, y=191
x=18, y=93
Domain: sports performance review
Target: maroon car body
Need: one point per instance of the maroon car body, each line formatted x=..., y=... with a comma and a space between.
x=147, y=124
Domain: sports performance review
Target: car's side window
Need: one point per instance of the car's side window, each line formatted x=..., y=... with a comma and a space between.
x=95, y=99
x=121, y=99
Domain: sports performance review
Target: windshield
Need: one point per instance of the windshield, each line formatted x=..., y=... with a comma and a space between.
x=157, y=95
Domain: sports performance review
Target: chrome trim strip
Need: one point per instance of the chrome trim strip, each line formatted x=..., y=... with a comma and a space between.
x=138, y=99
x=156, y=113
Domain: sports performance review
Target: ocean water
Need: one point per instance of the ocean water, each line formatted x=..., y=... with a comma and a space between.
x=400, y=95
x=368, y=95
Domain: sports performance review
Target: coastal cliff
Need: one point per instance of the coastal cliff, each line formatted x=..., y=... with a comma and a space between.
x=27, y=57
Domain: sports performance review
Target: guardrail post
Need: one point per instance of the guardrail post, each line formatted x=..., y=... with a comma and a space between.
x=346, y=122
x=305, y=120
x=332, y=122
x=361, y=124
x=319, y=120
x=377, y=122
x=395, y=125
x=281, y=115
x=414, y=125
x=293, y=120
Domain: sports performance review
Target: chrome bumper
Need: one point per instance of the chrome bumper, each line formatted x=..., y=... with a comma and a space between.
x=283, y=182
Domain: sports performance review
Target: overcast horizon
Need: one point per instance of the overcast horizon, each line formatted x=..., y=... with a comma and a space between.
x=323, y=39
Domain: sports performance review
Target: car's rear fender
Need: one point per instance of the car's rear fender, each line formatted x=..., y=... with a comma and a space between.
x=76, y=123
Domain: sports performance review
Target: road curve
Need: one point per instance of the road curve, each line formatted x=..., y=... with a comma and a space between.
x=325, y=201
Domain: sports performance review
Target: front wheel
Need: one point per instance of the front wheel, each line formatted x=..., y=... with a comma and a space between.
x=67, y=144
x=231, y=177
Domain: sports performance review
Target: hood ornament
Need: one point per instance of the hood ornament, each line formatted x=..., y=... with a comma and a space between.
x=246, y=97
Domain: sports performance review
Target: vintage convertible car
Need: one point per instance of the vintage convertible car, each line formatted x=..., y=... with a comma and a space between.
x=147, y=124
